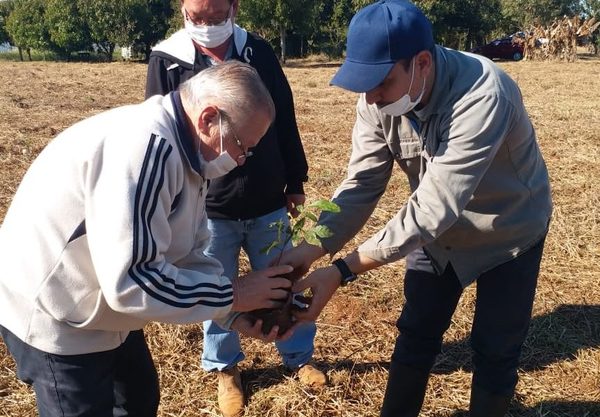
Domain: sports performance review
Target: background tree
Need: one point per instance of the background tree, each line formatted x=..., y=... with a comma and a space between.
x=258, y=16
x=67, y=29
x=335, y=16
x=111, y=23
x=274, y=19
x=5, y=9
x=289, y=25
x=525, y=13
x=462, y=23
x=591, y=10
x=307, y=24
x=176, y=20
x=26, y=26
x=136, y=23
x=152, y=20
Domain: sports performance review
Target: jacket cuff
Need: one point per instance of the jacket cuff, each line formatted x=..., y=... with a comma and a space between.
x=294, y=188
x=226, y=322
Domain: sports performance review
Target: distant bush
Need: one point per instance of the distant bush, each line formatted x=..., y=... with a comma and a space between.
x=41, y=55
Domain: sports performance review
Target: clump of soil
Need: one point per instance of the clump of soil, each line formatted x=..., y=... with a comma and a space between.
x=282, y=317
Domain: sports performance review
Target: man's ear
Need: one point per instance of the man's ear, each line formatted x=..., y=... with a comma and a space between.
x=235, y=4
x=424, y=61
x=208, y=116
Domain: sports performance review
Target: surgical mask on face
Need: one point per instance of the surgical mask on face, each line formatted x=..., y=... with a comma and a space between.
x=404, y=104
x=209, y=36
x=222, y=164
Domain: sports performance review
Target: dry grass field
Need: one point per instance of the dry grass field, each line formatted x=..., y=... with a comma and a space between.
x=560, y=371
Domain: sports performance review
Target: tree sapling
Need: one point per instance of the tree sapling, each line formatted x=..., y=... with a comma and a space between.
x=303, y=227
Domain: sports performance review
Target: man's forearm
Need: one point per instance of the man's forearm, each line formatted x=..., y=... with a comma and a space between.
x=359, y=263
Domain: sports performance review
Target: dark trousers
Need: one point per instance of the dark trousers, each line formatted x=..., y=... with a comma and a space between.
x=119, y=382
x=502, y=316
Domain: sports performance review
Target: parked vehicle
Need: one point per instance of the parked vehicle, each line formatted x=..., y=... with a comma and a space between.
x=503, y=48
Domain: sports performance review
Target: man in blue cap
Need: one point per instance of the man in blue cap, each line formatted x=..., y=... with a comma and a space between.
x=480, y=207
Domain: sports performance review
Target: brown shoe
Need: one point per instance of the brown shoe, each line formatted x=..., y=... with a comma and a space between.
x=311, y=377
x=230, y=392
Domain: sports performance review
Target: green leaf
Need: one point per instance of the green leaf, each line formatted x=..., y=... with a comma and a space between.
x=277, y=224
x=297, y=239
x=322, y=231
x=311, y=216
x=270, y=247
x=312, y=238
x=326, y=205
x=299, y=225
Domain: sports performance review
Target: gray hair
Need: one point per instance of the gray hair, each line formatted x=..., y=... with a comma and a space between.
x=233, y=86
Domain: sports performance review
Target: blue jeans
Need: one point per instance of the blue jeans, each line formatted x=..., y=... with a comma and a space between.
x=222, y=349
x=115, y=383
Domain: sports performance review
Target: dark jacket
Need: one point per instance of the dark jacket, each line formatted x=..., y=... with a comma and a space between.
x=278, y=166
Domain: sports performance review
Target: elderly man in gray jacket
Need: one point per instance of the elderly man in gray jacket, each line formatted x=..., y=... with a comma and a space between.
x=480, y=207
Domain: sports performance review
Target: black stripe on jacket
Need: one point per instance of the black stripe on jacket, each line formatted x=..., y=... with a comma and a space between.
x=151, y=280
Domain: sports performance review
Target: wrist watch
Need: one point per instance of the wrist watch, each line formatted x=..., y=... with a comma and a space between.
x=347, y=274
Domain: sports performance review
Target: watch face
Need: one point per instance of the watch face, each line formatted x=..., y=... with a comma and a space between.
x=349, y=278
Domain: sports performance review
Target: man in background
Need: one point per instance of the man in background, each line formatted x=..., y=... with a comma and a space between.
x=242, y=204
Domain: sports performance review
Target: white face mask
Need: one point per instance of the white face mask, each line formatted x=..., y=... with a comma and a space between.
x=404, y=104
x=222, y=164
x=209, y=36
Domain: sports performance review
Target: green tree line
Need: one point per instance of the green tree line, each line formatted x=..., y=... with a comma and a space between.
x=294, y=27
x=68, y=26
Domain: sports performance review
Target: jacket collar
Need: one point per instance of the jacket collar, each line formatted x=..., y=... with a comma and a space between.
x=181, y=46
x=440, y=88
x=173, y=105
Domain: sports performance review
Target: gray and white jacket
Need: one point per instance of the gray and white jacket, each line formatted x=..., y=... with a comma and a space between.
x=107, y=232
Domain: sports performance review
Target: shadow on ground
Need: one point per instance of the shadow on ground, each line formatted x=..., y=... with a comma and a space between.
x=548, y=409
x=553, y=337
x=306, y=64
x=256, y=379
x=588, y=57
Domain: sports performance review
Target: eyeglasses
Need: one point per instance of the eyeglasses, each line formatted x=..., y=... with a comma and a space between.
x=213, y=21
x=245, y=153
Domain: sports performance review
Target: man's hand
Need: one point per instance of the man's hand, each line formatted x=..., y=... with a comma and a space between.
x=300, y=258
x=323, y=282
x=261, y=289
x=293, y=201
x=246, y=325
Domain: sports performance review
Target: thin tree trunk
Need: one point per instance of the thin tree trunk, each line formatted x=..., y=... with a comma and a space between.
x=20, y=53
x=282, y=42
x=147, y=51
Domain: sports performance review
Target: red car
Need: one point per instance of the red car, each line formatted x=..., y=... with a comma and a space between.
x=503, y=48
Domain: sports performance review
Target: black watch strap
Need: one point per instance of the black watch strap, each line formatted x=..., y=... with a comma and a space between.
x=347, y=274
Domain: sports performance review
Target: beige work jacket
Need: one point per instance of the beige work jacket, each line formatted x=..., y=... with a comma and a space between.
x=480, y=188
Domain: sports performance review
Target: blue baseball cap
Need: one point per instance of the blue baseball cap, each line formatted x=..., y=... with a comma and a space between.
x=380, y=35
